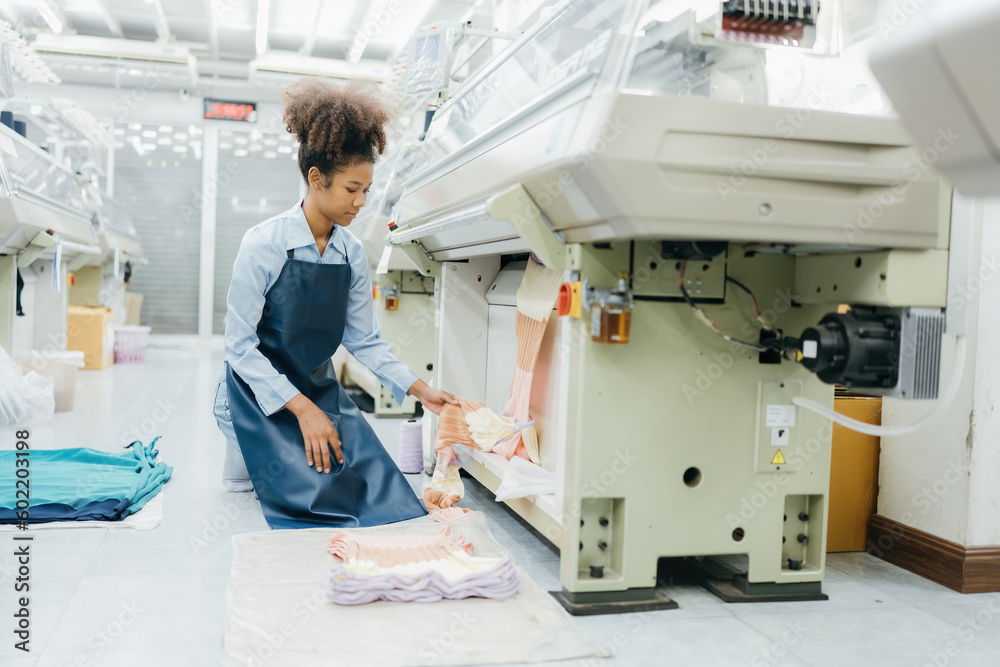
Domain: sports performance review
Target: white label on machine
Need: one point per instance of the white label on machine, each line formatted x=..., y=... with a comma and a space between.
x=780, y=436
x=780, y=415
x=383, y=263
x=809, y=349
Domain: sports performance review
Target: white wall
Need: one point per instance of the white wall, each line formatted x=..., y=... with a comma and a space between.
x=984, y=491
x=944, y=478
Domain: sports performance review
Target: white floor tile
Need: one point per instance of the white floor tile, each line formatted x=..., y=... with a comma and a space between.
x=891, y=636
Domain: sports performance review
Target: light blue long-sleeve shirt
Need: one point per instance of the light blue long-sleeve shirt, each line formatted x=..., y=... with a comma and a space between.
x=262, y=254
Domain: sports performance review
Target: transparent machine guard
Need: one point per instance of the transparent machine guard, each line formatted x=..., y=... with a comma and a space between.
x=568, y=49
x=682, y=48
x=36, y=172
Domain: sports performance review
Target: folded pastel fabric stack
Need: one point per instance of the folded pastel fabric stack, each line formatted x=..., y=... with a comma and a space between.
x=79, y=484
x=414, y=568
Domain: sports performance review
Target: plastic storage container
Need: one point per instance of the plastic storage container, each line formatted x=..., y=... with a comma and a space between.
x=130, y=344
x=61, y=367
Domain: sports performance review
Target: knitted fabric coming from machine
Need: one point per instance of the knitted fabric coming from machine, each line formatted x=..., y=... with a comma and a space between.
x=475, y=425
x=414, y=568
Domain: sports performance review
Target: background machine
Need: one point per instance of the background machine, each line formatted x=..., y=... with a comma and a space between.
x=715, y=183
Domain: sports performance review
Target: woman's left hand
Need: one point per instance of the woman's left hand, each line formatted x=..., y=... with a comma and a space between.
x=431, y=398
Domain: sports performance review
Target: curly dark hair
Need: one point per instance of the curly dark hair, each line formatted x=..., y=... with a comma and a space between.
x=337, y=125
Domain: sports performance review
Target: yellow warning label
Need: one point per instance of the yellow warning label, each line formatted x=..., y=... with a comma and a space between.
x=778, y=459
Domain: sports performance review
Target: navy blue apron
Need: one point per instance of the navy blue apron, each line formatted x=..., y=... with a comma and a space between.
x=300, y=328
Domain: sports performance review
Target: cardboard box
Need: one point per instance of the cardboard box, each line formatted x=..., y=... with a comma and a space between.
x=92, y=331
x=133, y=307
x=853, y=476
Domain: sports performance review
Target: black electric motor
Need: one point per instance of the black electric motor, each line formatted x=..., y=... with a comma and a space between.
x=860, y=348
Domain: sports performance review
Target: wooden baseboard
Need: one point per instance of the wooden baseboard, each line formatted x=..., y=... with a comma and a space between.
x=960, y=568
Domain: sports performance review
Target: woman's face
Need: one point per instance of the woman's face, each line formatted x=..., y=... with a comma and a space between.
x=346, y=194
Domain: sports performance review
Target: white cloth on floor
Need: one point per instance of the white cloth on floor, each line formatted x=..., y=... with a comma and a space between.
x=278, y=614
x=523, y=478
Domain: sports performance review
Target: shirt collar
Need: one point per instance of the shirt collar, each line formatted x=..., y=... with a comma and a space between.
x=299, y=233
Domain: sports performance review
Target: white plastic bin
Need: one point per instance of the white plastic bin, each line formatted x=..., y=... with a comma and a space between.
x=130, y=344
x=58, y=365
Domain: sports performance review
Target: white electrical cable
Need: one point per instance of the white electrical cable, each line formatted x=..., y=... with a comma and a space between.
x=903, y=429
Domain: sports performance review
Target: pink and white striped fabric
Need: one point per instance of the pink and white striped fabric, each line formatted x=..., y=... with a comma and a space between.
x=414, y=568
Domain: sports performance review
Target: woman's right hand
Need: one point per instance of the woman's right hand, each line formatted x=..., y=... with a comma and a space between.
x=317, y=432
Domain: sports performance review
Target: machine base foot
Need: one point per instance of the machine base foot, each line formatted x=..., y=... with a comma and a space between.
x=614, y=602
x=731, y=585
x=740, y=590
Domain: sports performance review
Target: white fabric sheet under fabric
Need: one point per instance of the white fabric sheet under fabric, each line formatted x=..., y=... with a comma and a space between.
x=522, y=478
x=278, y=614
x=147, y=518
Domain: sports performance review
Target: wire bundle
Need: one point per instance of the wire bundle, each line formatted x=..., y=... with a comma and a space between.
x=411, y=446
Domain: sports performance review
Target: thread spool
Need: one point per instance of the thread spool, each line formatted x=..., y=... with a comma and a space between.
x=411, y=446
x=21, y=128
x=7, y=118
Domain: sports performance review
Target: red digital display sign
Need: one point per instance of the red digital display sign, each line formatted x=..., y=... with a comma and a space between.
x=223, y=110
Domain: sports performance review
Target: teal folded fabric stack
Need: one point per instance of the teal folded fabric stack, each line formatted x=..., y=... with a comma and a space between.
x=80, y=484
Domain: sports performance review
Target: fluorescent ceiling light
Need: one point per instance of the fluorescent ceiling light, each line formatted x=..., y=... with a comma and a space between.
x=288, y=62
x=50, y=16
x=110, y=47
x=149, y=134
x=263, y=18
x=127, y=53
